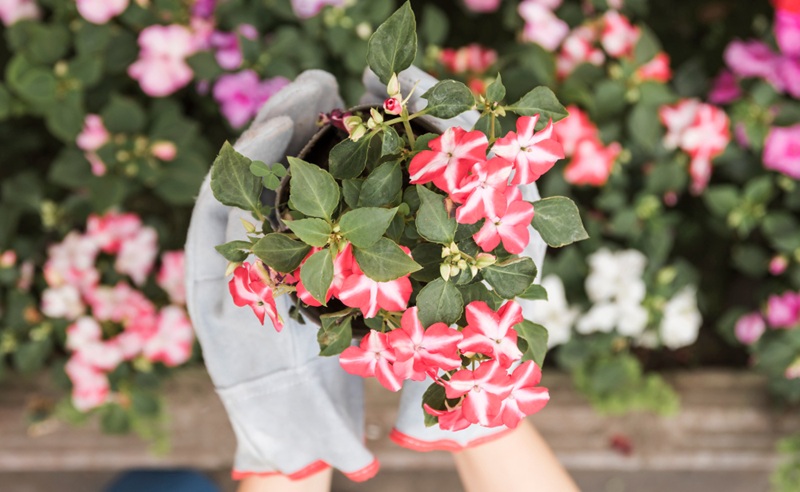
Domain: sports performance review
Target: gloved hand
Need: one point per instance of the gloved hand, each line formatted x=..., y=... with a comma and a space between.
x=410, y=430
x=293, y=412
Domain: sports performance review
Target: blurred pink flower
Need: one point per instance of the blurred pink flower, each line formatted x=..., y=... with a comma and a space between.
x=471, y=58
x=171, y=344
x=579, y=47
x=619, y=36
x=62, y=302
x=749, y=328
x=788, y=72
x=778, y=264
x=94, y=134
x=782, y=150
x=228, y=48
x=787, y=32
x=164, y=150
x=753, y=59
x=119, y=304
x=137, y=254
x=12, y=11
x=101, y=11
x=482, y=5
x=574, y=128
x=591, y=163
x=161, y=68
x=242, y=94
x=656, y=69
x=305, y=9
x=541, y=25
x=725, y=88
x=171, y=276
x=71, y=262
x=783, y=311
x=111, y=230
x=90, y=387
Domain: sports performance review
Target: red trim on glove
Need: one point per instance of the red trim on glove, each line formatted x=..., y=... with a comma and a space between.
x=306, y=472
x=365, y=473
x=415, y=444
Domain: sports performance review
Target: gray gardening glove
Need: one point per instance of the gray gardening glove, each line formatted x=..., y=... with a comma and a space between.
x=410, y=430
x=293, y=412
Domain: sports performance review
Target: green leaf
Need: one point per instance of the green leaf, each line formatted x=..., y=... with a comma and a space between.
x=335, y=334
x=232, y=182
x=558, y=221
x=65, y=118
x=534, y=293
x=383, y=186
x=281, y=252
x=364, y=226
x=429, y=256
x=541, y=101
x=440, y=301
x=114, y=419
x=434, y=397
x=393, y=46
x=484, y=124
x=536, y=336
x=721, y=199
x=433, y=222
x=314, y=232
x=351, y=189
x=123, y=115
x=447, y=99
x=423, y=140
x=235, y=251
x=645, y=130
x=313, y=191
x=647, y=46
x=496, y=91
x=181, y=179
x=317, y=275
x=385, y=261
x=391, y=144
x=348, y=159
x=204, y=65
x=510, y=278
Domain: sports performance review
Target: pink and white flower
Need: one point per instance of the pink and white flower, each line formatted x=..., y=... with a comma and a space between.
x=90, y=387
x=449, y=159
x=526, y=396
x=111, y=230
x=374, y=357
x=473, y=58
x=592, y=162
x=657, y=69
x=13, y=11
x=511, y=229
x=171, y=344
x=249, y=289
x=579, y=47
x=94, y=134
x=484, y=390
x=483, y=192
x=421, y=351
x=619, y=36
x=533, y=153
x=574, y=128
x=370, y=296
x=783, y=311
x=161, y=68
x=119, y=304
x=749, y=328
x=137, y=255
x=171, y=276
x=492, y=333
x=62, y=302
x=782, y=150
x=542, y=26
x=306, y=9
x=100, y=11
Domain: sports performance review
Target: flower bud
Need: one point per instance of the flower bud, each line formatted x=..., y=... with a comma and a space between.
x=263, y=272
x=778, y=265
x=444, y=270
x=166, y=151
x=359, y=132
x=393, y=87
x=250, y=228
x=462, y=264
x=483, y=260
x=393, y=105
x=351, y=123
x=8, y=259
x=233, y=265
x=454, y=270
x=376, y=116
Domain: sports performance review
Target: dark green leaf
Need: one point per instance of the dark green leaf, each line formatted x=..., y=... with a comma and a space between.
x=422, y=141
x=335, y=334
x=314, y=232
x=281, y=252
x=558, y=221
x=433, y=222
x=317, y=275
x=496, y=91
x=385, y=261
x=114, y=419
x=351, y=189
x=536, y=336
x=434, y=397
x=235, y=251
x=383, y=186
x=429, y=256
x=393, y=46
x=440, y=301
x=534, y=293
x=391, y=143
x=647, y=46
x=541, y=101
x=348, y=159
x=313, y=191
x=123, y=115
x=512, y=277
x=364, y=226
x=447, y=99
x=232, y=182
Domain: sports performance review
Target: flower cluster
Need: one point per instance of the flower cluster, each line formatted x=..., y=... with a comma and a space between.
x=699, y=129
x=111, y=324
x=782, y=312
x=591, y=162
x=496, y=392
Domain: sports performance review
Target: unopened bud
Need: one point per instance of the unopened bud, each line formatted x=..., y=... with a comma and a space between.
x=444, y=270
x=473, y=269
x=484, y=260
x=8, y=259
x=232, y=266
x=363, y=31
x=250, y=228
x=393, y=87
x=454, y=270
x=462, y=264
x=393, y=105
x=376, y=116
x=351, y=123
x=445, y=252
x=359, y=132
x=166, y=151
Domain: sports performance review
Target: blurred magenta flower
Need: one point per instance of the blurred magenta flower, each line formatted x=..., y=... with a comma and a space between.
x=749, y=328
x=753, y=59
x=783, y=311
x=240, y=95
x=782, y=150
x=787, y=32
x=161, y=68
x=482, y=5
x=725, y=88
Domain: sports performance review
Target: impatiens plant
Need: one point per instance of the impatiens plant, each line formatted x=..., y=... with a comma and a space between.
x=417, y=238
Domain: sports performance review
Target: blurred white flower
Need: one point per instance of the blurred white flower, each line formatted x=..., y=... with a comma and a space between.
x=681, y=322
x=62, y=302
x=555, y=313
x=616, y=275
x=601, y=317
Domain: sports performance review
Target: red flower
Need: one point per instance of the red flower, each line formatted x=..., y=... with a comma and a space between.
x=369, y=296
x=485, y=388
x=592, y=163
x=249, y=289
x=451, y=156
x=483, y=192
x=452, y=420
x=511, y=228
x=421, y=351
x=492, y=333
x=374, y=357
x=656, y=69
x=526, y=397
x=532, y=153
